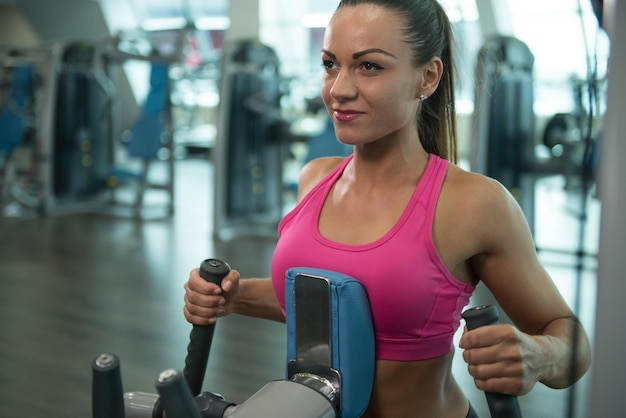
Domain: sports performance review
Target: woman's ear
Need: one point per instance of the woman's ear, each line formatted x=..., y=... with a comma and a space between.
x=431, y=75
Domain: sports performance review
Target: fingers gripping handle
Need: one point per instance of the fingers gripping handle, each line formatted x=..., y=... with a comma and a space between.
x=211, y=270
x=500, y=405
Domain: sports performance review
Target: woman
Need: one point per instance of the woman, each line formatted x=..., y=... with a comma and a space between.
x=417, y=231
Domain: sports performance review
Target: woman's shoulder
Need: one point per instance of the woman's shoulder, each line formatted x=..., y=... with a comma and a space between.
x=482, y=211
x=315, y=171
x=461, y=180
x=476, y=195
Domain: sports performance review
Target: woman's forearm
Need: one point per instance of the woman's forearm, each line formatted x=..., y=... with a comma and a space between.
x=570, y=351
x=257, y=298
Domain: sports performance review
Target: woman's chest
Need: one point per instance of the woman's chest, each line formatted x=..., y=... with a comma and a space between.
x=357, y=219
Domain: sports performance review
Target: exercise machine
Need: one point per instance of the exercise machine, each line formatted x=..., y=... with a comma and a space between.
x=23, y=90
x=69, y=121
x=15, y=119
x=82, y=147
x=251, y=142
x=500, y=405
x=150, y=134
x=503, y=127
x=330, y=360
x=60, y=105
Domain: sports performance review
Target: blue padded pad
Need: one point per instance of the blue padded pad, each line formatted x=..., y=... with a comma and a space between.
x=156, y=101
x=12, y=118
x=146, y=136
x=11, y=130
x=22, y=79
x=149, y=127
x=352, y=339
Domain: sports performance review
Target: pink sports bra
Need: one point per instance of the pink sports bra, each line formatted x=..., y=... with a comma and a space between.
x=416, y=302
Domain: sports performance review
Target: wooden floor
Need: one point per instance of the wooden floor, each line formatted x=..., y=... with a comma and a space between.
x=75, y=286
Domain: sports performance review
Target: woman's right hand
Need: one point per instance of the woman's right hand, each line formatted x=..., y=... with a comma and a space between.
x=205, y=301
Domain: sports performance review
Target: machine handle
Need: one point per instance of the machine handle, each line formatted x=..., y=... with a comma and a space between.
x=107, y=395
x=500, y=404
x=175, y=396
x=212, y=270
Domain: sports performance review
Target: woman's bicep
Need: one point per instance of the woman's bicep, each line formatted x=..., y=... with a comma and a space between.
x=511, y=270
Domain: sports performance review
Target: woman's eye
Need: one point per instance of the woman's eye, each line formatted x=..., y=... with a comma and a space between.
x=328, y=64
x=371, y=66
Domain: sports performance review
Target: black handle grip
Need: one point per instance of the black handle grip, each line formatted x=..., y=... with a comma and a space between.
x=107, y=395
x=500, y=404
x=175, y=396
x=211, y=270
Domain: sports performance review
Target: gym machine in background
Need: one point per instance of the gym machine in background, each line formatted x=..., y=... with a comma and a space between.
x=150, y=136
x=503, y=128
x=251, y=144
x=60, y=122
x=67, y=154
x=61, y=151
x=17, y=118
x=505, y=144
x=82, y=149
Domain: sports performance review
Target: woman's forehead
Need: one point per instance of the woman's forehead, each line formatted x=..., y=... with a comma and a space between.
x=363, y=27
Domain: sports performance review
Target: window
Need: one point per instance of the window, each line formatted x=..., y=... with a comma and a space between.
x=205, y=22
x=567, y=42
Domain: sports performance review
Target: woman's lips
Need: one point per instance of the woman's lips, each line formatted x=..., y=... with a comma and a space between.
x=346, y=115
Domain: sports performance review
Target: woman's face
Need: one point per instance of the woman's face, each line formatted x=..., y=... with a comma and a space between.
x=370, y=85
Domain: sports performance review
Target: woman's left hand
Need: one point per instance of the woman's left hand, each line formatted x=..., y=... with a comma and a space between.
x=503, y=359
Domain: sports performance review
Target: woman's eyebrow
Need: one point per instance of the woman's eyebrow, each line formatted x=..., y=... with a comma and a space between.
x=359, y=54
x=330, y=54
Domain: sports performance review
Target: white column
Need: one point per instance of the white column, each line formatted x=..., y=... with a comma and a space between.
x=609, y=362
x=495, y=17
x=244, y=20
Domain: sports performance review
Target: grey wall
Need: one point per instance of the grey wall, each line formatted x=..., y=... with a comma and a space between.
x=60, y=20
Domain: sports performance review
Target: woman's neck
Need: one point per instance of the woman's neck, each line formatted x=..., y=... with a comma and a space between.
x=376, y=164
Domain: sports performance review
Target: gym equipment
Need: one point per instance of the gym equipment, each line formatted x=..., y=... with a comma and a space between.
x=500, y=405
x=330, y=360
x=330, y=365
x=13, y=115
x=150, y=133
x=30, y=107
x=571, y=139
x=213, y=271
x=106, y=390
x=14, y=121
x=71, y=124
x=82, y=145
x=330, y=334
x=503, y=127
x=250, y=144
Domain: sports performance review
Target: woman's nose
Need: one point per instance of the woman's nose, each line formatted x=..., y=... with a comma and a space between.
x=343, y=86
